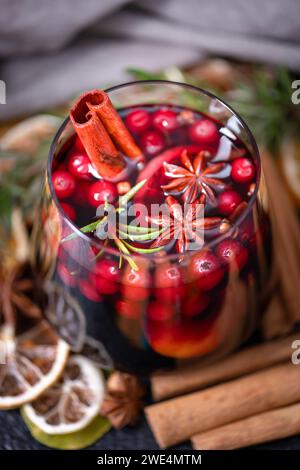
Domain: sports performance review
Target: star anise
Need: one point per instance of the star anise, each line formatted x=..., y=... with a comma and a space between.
x=194, y=178
x=123, y=400
x=183, y=227
x=16, y=293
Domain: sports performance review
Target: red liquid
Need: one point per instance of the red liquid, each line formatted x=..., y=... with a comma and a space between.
x=178, y=307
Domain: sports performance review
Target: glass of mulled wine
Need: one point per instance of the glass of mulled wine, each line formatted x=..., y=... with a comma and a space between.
x=144, y=295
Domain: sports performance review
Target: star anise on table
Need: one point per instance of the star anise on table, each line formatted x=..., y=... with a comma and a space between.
x=16, y=293
x=123, y=400
x=183, y=227
x=193, y=178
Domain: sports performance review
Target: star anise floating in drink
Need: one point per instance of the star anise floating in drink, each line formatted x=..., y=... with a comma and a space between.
x=184, y=227
x=193, y=178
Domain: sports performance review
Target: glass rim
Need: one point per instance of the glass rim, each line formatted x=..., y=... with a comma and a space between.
x=172, y=256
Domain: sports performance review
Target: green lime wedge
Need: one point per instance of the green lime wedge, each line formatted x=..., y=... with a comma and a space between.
x=72, y=441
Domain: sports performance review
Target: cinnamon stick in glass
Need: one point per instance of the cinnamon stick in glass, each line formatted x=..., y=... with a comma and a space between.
x=176, y=420
x=101, y=150
x=103, y=107
x=265, y=427
x=192, y=377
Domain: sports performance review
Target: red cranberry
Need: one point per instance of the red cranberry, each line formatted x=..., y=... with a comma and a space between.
x=103, y=285
x=79, y=165
x=105, y=276
x=66, y=276
x=129, y=309
x=168, y=283
x=165, y=120
x=206, y=269
x=152, y=142
x=228, y=202
x=243, y=170
x=88, y=290
x=63, y=183
x=101, y=192
x=107, y=268
x=137, y=120
x=195, y=305
x=135, y=284
x=205, y=132
x=68, y=210
x=158, y=311
x=232, y=251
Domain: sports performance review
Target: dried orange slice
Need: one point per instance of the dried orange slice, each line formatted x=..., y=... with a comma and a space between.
x=72, y=403
x=72, y=441
x=29, y=363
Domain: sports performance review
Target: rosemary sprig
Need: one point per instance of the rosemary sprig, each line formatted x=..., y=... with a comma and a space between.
x=123, y=233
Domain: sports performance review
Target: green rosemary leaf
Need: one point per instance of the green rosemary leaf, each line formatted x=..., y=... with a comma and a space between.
x=120, y=262
x=142, y=237
x=122, y=247
x=134, y=229
x=123, y=200
x=101, y=252
x=142, y=250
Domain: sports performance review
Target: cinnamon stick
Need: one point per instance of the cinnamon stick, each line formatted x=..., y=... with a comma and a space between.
x=264, y=427
x=286, y=237
x=100, y=103
x=95, y=139
x=178, y=419
x=194, y=376
x=275, y=321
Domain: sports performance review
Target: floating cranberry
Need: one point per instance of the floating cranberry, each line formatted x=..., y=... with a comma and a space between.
x=206, y=269
x=228, y=202
x=105, y=276
x=69, y=211
x=243, y=170
x=63, y=183
x=205, y=132
x=169, y=285
x=135, y=284
x=66, y=276
x=152, y=142
x=232, y=251
x=165, y=120
x=195, y=305
x=137, y=120
x=102, y=192
x=88, y=290
x=159, y=311
x=79, y=165
x=103, y=286
x=129, y=309
x=107, y=268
